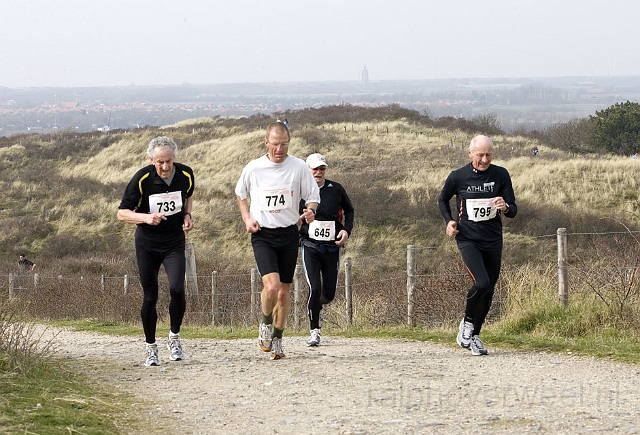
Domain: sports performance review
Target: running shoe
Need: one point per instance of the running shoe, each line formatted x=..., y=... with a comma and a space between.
x=264, y=339
x=173, y=344
x=314, y=338
x=152, y=355
x=464, y=334
x=276, y=348
x=476, y=347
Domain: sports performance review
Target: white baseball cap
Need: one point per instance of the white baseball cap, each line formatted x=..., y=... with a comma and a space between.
x=315, y=160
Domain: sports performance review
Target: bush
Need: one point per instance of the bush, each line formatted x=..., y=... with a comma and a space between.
x=22, y=346
x=617, y=128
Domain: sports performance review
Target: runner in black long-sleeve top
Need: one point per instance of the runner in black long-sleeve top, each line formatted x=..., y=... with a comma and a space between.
x=321, y=241
x=483, y=193
x=159, y=200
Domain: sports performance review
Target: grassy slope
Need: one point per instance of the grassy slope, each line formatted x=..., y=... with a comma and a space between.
x=54, y=399
x=62, y=198
x=62, y=193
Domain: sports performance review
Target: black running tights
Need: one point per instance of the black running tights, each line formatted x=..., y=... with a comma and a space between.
x=484, y=268
x=321, y=270
x=150, y=258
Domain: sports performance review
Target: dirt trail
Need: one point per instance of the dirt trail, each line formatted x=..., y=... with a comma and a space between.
x=362, y=386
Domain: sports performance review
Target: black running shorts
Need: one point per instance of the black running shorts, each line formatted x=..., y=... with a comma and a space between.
x=276, y=250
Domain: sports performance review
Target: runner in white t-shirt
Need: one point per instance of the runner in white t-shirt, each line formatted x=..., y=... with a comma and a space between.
x=275, y=184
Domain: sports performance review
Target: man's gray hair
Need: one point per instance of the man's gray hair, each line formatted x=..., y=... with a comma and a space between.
x=472, y=145
x=162, y=142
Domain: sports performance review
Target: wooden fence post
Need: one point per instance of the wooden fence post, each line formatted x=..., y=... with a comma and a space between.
x=297, y=290
x=126, y=284
x=254, y=291
x=563, y=274
x=214, y=297
x=103, y=283
x=411, y=282
x=11, y=284
x=191, y=277
x=347, y=290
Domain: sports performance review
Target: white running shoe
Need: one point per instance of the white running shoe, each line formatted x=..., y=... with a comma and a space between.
x=276, y=348
x=314, y=338
x=264, y=339
x=173, y=344
x=476, y=347
x=465, y=331
x=152, y=355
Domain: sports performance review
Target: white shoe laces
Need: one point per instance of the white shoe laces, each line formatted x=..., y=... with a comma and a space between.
x=277, y=346
x=478, y=343
x=467, y=330
x=265, y=332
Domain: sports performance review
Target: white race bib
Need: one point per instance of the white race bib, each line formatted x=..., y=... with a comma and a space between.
x=166, y=203
x=322, y=230
x=274, y=200
x=481, y=209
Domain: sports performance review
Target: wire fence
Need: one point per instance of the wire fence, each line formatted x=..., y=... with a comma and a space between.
x=379, y=293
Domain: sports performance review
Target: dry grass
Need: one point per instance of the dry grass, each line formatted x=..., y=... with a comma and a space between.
x=578, y=185
x=393, y=170
x=61, y=195
x=22, y=347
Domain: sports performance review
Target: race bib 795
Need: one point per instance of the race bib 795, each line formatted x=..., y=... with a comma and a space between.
x=481, y=209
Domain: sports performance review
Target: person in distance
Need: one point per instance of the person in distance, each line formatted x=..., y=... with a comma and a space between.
x=25, y=263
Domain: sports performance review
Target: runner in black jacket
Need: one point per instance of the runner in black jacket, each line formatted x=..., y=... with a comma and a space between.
x=321, y=241
x=483, y=193
x=158, y=199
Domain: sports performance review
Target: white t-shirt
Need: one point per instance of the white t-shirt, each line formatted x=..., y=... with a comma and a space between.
x=275, y=190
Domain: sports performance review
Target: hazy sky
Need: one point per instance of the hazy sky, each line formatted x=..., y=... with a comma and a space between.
x=160, y=42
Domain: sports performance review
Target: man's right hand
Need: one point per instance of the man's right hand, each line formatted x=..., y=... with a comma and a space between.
x=452, y=228
x=252, y=225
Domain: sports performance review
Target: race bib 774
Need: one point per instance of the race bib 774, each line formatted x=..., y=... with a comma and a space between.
x=274, y=200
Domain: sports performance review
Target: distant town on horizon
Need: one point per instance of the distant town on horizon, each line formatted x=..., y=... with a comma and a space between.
x=529, y=103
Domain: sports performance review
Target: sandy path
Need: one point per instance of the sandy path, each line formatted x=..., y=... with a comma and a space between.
x=362, y=386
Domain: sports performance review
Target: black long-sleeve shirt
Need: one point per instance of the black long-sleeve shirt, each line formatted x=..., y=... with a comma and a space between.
x=145, y=184
x=336, y=206
x=478, y=222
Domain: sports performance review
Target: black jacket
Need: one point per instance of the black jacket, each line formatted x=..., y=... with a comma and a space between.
x=335, y=206
x=467, y=183
x=146, y=182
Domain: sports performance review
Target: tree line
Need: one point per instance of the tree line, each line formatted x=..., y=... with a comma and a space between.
x=614, y=130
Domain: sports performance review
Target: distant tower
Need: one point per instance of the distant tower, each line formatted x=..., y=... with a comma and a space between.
x=365, y=75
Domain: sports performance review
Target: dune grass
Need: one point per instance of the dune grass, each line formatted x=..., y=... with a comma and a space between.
x=42, y=394
x=54, y=398
x=393, y=171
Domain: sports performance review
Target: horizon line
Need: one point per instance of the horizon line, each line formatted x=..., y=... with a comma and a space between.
x=359, y=81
